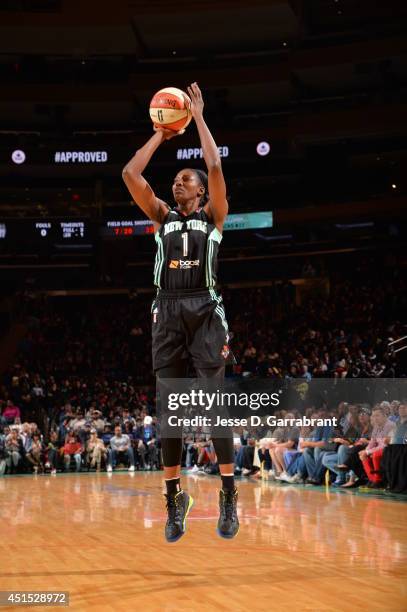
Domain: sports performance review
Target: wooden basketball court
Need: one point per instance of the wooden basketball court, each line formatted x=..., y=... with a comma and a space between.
x=299, y=548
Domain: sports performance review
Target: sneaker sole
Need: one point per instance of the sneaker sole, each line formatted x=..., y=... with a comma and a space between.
x=190, y=505
x=227, y=537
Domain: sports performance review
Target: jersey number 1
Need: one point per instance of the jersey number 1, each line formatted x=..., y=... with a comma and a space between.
x=185, y=244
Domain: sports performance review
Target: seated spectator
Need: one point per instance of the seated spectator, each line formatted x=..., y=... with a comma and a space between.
x=18, y=425
x=72, y=448
x=314, y=450
x=264, y=456
x=53, y=453
x=14, y=449
x=206, y=454
x=3, y=454
x=245, y=456
x=400, y=432
x=107, y=434
x=35, y=454
x=96, y=451
x=120, y=448
x=382, y=431
x=296, y=472
x=371, y=456
x=288, y=441
x=355, y=428
x=146, y=441
x=394, y=462
x=191, y=454
x=11, y=412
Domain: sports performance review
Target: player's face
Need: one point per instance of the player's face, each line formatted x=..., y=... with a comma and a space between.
x=186, y=186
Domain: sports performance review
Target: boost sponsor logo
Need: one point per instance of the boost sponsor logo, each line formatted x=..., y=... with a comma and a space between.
x=183, y=264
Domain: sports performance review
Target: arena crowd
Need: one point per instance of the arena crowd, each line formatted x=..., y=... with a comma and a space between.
x=81, y=394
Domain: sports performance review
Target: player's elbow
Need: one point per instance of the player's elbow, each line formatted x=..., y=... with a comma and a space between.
x=130, y=173
x=215, y=165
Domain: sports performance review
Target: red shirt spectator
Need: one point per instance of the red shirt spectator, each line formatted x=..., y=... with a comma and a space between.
x=72, y=446
x=11, y=412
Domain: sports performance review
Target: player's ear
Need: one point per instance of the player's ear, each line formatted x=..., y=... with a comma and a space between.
x=201, y=190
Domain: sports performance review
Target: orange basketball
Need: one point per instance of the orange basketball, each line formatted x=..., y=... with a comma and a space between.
x=168, y=109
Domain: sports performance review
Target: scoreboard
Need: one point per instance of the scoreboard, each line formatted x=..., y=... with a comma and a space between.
x=243, y=221
x=38, y=233
x=126, y=228
x=32, y=235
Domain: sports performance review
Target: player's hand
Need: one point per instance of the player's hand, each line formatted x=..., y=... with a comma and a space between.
x=167, y=134
x=197, y=103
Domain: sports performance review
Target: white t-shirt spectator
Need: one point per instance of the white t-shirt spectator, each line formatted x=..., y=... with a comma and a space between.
x=119, y=443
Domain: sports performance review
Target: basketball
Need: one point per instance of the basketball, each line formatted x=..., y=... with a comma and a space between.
x=169, y=110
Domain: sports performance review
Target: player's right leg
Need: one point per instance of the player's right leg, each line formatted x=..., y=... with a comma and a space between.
x=178, y=501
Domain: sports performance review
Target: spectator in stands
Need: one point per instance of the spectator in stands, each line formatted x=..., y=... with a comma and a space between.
x=206, y=455
x=146, y=440
x=72, y=448
x=107, y=435
x=35, y=454
x=26, y=436
x=381, y=434
x=15, y=450
x=96, y=451
x=3, y=454
x=314, y=451
x=79, y=422
x=98, y=422
x=400, y=432
x=296, y=472
x=394, y=411
x=3, y=421
x=353, y=429
x=264, y=457
x=120, y=448
x=288, y=441
x=245, y=456
x=371, y=456
x=53, y=452
x=11, y=412
x=190, y=448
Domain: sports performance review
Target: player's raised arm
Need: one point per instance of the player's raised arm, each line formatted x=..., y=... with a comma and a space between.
x=218, y=205
x=140, y=190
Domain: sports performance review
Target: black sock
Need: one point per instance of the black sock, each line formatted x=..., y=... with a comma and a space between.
x=228, y=483
x=173, y=486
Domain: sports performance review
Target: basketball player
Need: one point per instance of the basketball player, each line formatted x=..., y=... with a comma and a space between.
x=188, y=318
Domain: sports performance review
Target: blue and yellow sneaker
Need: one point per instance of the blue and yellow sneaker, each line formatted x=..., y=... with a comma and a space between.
x=178, y=506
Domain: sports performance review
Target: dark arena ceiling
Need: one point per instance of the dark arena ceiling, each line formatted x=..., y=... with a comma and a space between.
x=323, y=81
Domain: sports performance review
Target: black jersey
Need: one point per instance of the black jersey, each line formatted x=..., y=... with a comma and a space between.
x=187, y=251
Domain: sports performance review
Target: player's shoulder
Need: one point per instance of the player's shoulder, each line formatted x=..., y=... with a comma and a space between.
x=170, y=215
x=204, y=214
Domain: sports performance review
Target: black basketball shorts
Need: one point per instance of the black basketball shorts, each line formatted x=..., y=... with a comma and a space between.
x=189, y=324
